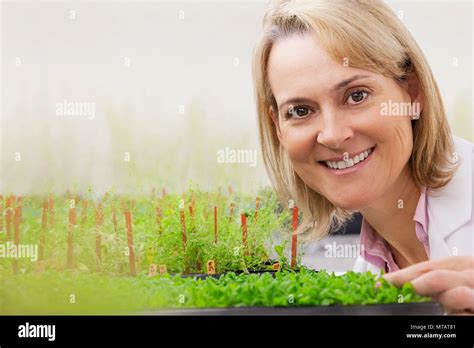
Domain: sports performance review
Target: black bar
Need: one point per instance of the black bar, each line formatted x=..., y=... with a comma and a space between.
x=225, y=330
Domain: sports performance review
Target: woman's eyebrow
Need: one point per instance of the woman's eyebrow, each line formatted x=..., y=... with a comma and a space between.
x=335, y=88
x=296, y=100
x=344, y=83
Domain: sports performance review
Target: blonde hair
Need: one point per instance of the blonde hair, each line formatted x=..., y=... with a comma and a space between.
x=369, y=36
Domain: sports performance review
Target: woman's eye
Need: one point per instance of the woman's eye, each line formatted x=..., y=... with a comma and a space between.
x=357, y=97
x=298, y=111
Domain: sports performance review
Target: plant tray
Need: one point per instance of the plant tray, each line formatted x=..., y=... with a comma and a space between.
x=423, y=308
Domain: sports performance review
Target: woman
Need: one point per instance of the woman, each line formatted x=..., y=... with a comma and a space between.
x=351, y=119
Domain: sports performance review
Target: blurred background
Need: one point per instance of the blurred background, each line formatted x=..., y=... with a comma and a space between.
x=135, y=95
x=127, y=96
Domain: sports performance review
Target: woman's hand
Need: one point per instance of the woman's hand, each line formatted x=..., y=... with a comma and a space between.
x=449, y=281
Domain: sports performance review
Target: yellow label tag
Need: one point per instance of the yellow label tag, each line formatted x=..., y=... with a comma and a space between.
x=152, y=270
x=211, y=267
x=163, y=269
x=276, y=266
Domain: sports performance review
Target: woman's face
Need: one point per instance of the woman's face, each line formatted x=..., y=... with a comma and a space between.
x=328, y=111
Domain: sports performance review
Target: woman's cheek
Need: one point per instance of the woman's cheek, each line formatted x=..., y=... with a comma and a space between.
x=299, y=145
x=401, y=138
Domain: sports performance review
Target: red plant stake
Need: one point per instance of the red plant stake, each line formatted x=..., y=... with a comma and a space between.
x=84, y=212
x=215, y=224
x=191, y=213
x=44, y=215
x=51, y=210
x=114, y=220
x=193, y=202
x=131, y=254
x=243, y=220
x=294, y=239
x=70, y=238
x=20, y=205
x=159, y=216
x=8, y=217
x=99, y=220
x=231, y=211
x=183, y=228
x=1, y=213
x=44, y=226
x=17, y=237
x=257, y=206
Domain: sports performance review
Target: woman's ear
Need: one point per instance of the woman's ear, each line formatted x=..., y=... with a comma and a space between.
x=274, y=117
x=413, y=89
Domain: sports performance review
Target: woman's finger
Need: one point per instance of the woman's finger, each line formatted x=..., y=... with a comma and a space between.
x=438, y=281
x=455, y=263
x=460, y=299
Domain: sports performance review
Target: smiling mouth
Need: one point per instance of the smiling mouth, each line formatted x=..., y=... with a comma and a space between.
x=350, y=162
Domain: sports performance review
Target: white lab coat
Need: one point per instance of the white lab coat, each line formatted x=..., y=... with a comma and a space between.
x=450, y=213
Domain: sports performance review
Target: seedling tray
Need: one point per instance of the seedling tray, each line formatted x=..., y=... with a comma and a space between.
x=422, y=308
x=415, y=308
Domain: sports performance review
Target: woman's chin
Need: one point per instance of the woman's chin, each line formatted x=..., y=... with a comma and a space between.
x=350, y=202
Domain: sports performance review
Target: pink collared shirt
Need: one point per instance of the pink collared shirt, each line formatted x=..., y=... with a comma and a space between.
x=376, y=250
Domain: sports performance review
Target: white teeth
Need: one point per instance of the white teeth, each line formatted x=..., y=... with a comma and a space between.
x=350, y=162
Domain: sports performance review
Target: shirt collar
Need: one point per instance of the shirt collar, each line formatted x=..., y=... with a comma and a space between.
x=375, y=249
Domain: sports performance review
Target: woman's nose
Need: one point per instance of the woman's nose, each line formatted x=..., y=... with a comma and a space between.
x=333, y=132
